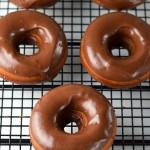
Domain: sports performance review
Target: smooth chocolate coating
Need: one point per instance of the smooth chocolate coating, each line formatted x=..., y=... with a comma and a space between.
x=33, y=3
x=33, y=28
x=112, y=31
x=91, y=111
x=119, y=4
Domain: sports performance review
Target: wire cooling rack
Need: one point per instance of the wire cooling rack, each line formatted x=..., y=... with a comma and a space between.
x=16, y=101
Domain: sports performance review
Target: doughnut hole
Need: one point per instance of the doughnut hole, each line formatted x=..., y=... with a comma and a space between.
x=28, y=46
x=71, y=121
x=120, y=44
x=28, y=49
x=71, y=128
x=27, y=43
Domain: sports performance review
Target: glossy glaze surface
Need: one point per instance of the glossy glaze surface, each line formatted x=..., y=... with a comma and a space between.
x=33, y=3
x=81, y=104
x=111, y=31
x=32, y=28
x=119, y=4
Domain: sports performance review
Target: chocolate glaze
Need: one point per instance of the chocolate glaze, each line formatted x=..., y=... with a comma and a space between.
x=110, y=31
x=119, y=4
x=33, y=3
x=31, y=27
x=91, y=111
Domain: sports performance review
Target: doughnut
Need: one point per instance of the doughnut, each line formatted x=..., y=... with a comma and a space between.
x=119, y=4
x=90, y=110
x=111, y=31
x=33, y=3
x=31, y=27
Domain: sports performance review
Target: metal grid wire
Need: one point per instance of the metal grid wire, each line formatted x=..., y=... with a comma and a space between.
x=16, y=101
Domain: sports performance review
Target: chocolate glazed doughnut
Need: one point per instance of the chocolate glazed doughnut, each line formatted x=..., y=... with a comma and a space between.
x=112, y=31
x=30, y=27
x=91, y=111
x=33, y=3
x=119, y=4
